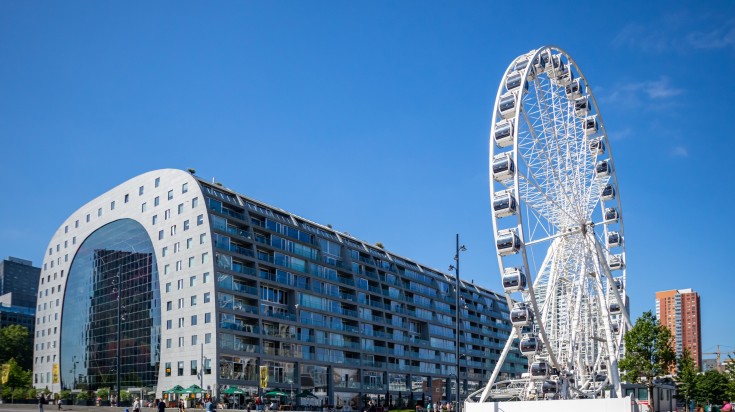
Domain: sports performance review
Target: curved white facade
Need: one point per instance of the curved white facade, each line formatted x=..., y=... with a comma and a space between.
x=171, y=207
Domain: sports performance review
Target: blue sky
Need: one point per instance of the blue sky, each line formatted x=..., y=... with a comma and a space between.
x=372, y=117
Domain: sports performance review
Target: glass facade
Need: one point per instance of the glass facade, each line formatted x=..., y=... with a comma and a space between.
x=111, y=316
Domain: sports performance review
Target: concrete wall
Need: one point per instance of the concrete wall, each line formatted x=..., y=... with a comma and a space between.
x=574, y=405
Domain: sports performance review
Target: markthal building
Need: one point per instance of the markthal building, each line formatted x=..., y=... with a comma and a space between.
x=169, y=280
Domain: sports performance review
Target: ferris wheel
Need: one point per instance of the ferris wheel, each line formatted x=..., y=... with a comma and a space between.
x=558, y=226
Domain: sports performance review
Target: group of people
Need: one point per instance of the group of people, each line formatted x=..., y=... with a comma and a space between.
x=726, y=407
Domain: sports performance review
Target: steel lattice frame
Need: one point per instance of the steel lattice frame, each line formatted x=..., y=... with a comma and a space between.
x=550, y=159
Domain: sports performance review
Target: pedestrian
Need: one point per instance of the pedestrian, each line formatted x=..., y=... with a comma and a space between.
x=726, y=407
x=161, y=405
x=58, y=402
x=182, y=405
x=41, y=401
x=136, y=405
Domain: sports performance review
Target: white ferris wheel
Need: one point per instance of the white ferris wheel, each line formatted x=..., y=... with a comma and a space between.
x=558, y=227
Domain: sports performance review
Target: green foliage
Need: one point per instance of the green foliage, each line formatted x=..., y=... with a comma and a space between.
x=83, y=396
x=65, y=394
x=711, y=387
x=31, y=393
x=686, y=378
x=124, y=395
x=20, y=393
x=17, y=376
x=15, y=342
x=649, y=352
x=730, y=375
x=6, y=392
x=103, y=393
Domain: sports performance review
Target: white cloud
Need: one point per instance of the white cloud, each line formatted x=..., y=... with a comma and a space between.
x=679, y=152
x=679, y=32
x=635, y=94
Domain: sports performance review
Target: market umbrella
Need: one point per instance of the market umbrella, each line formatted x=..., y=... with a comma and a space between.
x=194, y=389
x=178, y=389
x=276, y=393
x=233, y=391
x=306, y=394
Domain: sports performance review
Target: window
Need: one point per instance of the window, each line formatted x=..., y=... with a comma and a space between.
x=87, y=217
x=189, y=243
x=173, y=230
x=207, y=338
x=157, y=182
x=207, y=317
x=186, y=224
x=181, y=208
x=191, y=261
x=160, y=234
x=181, y=368
x=205, y=277
x=169, y=324
x=164, y=251
x=205, y=257
x=166, y=269
x=168, y=287
x=180, y=284
x=206, y=297
x=143, y=207
x=194, y=202
x=140, y=191
x=193, y=281
x=181, y=303
x=193, y=340
x=156, y=201
x=66, y=228
x=200, y=220
x=112, y=205
x=193, y=320
x=202, y=238
x=169, y=305
x=167, y=214
x=168, y=343
x=99, y=212
x=170, y=194
x=181, y=322
x=184, y=188
x=127, y=197
x=194, y=300
x=168, y=368
x=177, y=247
x=178, y=265
x=154, y=220
x=181, y=341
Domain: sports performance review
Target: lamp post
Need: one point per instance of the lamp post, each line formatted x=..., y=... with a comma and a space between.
x=455, y=267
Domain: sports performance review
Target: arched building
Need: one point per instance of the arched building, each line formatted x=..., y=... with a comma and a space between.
x=169, y=280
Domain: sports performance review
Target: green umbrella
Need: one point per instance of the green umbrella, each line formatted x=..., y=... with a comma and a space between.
x=233, y=391
x=276, y=393
x=178, y=389
x=194, y=389
x=306, y=394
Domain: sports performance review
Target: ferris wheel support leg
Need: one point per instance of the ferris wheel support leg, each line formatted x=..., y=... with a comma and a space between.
x=611, y=281
x=532, y=296
x=499, y=365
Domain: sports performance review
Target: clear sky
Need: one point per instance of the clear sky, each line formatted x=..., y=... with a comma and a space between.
x=372, y=116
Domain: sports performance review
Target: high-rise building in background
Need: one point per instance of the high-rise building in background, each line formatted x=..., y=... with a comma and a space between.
x=170, y=280
x=18, y=288
x=678, y=310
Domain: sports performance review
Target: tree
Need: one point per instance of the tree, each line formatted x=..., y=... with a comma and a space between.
x=15, y=342
x=730, y=375
x=686, y=378
x=711, y=387
x=17, y=376
x=649, y=353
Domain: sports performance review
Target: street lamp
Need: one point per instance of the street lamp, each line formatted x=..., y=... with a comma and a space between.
x=455, y=267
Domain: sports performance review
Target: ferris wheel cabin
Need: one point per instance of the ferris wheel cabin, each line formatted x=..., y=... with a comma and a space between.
x=597, y=146
x=540, y=369
x=550, y=387
x=614, y=308
x=590, y=125
x=614, y=239
x=603, y=168
x=582, y=106
x=503, y=167
x=608, y=193
x=611, y=213
x=504, y=204
x=521, y=315
x=529, y=345
x=514, y=280
x=507, y=243
x=507, y=105
x=615, y=327
x=616, y=262
x=504, y=133
x=574, y=89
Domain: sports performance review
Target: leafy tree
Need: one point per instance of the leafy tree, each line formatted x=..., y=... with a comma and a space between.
x=15, y=342
x=17, y=376
x=649, y=353
x=65, y=394
x=730, y=375
x=686, y=378
x=711, y=387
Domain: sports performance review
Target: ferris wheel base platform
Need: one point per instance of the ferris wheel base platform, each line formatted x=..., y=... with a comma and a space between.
x=570, y=405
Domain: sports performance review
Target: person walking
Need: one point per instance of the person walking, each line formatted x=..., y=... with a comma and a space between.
x=41, y=401
x=161, y=406
x=136, y=405
x=726, y=407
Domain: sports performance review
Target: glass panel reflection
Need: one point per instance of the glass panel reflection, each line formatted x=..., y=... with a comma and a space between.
x=112, y=299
